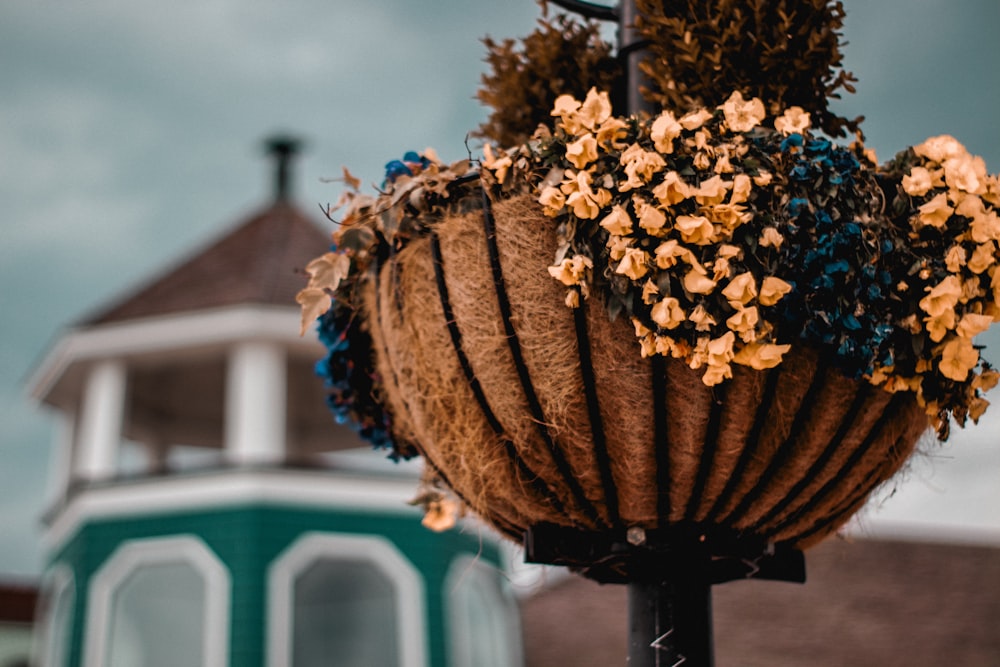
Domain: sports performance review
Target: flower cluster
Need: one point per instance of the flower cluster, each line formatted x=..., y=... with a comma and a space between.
x=663, y=212
x=726, y=237
x=945, y=216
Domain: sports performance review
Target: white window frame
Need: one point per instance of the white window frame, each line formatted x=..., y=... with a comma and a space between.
x=406, y=581
x=458, y=637
x=132, y=554
x=58, y=582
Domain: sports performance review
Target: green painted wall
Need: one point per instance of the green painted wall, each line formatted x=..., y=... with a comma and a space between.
x=248, y=538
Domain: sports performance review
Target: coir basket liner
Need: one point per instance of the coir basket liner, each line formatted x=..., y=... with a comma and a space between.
x=536, y=413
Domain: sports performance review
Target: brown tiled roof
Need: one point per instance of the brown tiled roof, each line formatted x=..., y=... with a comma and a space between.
x=866, y=604
x=259, y=262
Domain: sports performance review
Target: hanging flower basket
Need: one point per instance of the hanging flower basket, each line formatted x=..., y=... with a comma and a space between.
x=716, y=320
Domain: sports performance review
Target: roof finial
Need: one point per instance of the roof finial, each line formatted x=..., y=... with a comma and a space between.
x=283, y=148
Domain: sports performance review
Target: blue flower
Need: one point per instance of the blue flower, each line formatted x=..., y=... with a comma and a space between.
x=791, y=141
x=396, y=168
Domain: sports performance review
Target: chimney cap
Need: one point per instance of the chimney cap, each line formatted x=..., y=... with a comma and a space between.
x=282, y=148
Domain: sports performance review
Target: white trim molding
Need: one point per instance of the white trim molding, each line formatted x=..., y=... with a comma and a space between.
x=466, y=571
x=51, y=643
x=147, y=497
x=406, y=580
x=132, y=554
x=168, y=334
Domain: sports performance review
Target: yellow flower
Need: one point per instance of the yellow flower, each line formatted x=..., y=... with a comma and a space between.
x=441, y=514
x=663, y=132
x=566, y=108
x=719, y=352
x=711, y=191
x=971, y=290
x=652, y=220
x=571, y=270
x=611, y=131
x=672, y=189
x=665, y=345
x=971, y=325
x=955, y=258
x=940, y=148
x=695, y=119
x=640, y=328
x=987, y=380
x=647, y=346
x=572, y=299
x=744, y=322
x=695, y=229
x=696, y=282
x=958, y=357
x=596, y=109
x=936, y=212
x=582, y=152
x=586, y=203
x=763, y=179
x=633, y=264
x=730, y=216
x=977, y=407
x=717, y=374
x=723, y=165
x=701, y=318
x=770, y=237
x=938, y=326
x=552, y=200
x=995, y=286
x=667, y=313
x=740, y=290
x=617, y=245
x=498, y=166
x=741, y=189
x=668, y=252
x=702, y=161
x=761, y=356
x=640, y=165
x=942, y=297
x=985, y=227
x=966, y=173
x=917, y=182
x=742, y=115
x=795, y=119
x=970, y=206
x=772, y=289
x=720, y=267
x=650, y=292
x=617, y=222
x=993, y=189
x=983, y=257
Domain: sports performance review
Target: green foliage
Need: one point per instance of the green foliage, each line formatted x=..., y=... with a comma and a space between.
x=561, y=56
x=785, y=52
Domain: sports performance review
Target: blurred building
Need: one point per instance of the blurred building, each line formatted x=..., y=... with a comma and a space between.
x=208, y=511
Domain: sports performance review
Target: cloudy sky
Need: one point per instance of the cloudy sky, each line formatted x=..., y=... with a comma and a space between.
x=130, y=132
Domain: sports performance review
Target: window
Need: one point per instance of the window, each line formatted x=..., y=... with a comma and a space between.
x=55, y=618
x=345, y=601
x=159, y=603
x=483, y=620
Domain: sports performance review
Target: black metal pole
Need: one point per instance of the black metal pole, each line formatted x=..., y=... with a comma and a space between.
x=670, y=623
